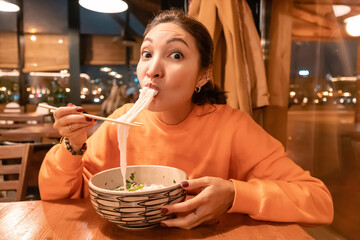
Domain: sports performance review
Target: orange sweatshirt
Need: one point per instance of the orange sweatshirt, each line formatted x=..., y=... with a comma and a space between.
x=216, y=141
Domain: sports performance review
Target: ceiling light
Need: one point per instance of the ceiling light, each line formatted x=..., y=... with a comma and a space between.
x=9, y=6
x=341, y=10
x=104, y=6
x=353, y=26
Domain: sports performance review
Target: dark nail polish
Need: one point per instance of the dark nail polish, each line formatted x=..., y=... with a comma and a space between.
x=184, y=184
x=79, y=109
x=164, y=210
x=88, y=119
x=163, y=225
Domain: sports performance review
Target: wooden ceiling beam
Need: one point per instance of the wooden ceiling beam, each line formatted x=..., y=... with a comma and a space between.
x=312, y=18
x=148, y=5
x=144, y=10
x=304, y=30
x=329, y=2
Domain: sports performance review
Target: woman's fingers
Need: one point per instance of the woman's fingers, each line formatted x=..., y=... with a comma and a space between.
x=80, y=129
x=73, y=127
x=63, y=111
x=192, y=203
x=187, y=206
x=77, y=134
x=72, y=122
x=187, y=221
x=189, y=213
x=196, y=183
x=215, y=197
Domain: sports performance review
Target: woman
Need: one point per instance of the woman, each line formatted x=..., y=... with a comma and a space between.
x=232, y=163
x=117, y=98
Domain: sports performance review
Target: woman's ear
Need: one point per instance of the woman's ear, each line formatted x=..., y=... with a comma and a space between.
x=204, y=77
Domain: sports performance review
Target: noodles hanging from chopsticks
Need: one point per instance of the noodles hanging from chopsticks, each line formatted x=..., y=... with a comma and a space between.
x=145, y=98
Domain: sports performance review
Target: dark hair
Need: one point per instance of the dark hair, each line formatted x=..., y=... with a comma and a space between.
x=210, y=92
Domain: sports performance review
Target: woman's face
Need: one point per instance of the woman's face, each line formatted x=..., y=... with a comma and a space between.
x=169, y=62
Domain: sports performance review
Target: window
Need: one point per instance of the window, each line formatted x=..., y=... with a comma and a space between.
x=323, y=133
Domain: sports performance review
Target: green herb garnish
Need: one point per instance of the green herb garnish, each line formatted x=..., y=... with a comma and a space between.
x=131, y=185
x=136, y=187
x=132, y=176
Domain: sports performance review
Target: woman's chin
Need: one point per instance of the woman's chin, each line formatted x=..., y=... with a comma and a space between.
x=153, y=106
x=156, y=106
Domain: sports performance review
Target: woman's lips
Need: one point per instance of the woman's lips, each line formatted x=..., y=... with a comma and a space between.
x=153, y=86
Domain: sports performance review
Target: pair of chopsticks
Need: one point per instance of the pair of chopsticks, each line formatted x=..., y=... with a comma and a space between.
x=135, y=124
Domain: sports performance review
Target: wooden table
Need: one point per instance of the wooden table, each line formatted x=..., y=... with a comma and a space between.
x=22, y=116
x=76, y=219
x=30, y=132
x=17, y=120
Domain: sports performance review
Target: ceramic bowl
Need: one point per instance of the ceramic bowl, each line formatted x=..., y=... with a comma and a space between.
x=139, y=209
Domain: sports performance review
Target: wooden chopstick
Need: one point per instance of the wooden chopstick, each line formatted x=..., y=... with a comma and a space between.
x=135, y=124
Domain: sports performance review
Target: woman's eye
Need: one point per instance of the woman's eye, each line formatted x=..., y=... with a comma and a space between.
x=146, y=55
x=176, y=55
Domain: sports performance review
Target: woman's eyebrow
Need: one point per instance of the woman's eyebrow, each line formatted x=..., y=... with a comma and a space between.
x=148, y=39
x=177, y=39
x=168, y=41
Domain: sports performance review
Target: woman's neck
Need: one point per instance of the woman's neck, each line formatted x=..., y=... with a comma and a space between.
x=176, y=115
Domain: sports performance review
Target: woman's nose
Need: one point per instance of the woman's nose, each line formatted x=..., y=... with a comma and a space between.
x=155, y=69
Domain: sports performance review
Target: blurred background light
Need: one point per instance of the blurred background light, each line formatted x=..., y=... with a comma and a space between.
x=9, y=6
x=341, y=10
x=353, y=26
x=304, y=73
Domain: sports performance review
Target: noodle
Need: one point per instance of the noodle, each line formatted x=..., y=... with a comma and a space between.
x=145, y=98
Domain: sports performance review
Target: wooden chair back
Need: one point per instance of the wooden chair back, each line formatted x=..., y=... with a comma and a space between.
x=10, y=167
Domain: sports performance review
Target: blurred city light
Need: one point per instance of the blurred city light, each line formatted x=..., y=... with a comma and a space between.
x=304, y=73
x=105, y=69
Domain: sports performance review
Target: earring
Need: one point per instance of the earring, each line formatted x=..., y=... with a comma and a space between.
x=197, y=89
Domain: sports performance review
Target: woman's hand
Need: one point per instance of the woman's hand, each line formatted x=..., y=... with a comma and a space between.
x=73, y=125
x=216, y=197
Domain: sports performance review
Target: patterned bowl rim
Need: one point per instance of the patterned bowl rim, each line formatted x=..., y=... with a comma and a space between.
x=127, y=193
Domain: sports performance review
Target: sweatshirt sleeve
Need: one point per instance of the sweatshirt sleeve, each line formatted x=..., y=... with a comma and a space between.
x=63, y=175
x=274, y=187
x=60, y=174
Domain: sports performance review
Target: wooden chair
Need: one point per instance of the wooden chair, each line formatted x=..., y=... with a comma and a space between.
x=10, y=167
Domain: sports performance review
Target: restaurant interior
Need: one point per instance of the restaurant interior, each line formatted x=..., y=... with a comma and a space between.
x=297, y=75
